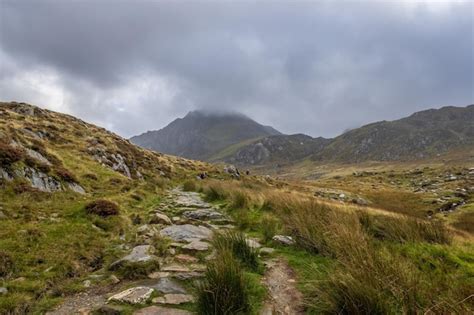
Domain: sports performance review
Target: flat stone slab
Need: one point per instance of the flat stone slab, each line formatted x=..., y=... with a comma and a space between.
x=284, y=239
x=166, y=285
x=191, y=199
x=174, y=299
x=136, y=295
x=196, y=246
x=175, y=268
x=139, y=254
x=203, y=214
x=159, y=310
x=186, y=232
x=188, y=275
x=186, y=258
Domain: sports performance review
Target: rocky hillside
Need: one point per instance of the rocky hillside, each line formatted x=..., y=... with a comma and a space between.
x=70, y=192
x=421, y=135
x=200, y=135
x=277, y=149
x=424, y=134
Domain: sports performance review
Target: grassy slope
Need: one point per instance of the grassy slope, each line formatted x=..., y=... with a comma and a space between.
x=49, y=241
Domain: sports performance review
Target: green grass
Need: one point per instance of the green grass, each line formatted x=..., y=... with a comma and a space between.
x=236, y=242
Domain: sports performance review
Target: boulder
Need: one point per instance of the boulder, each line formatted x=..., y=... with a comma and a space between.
x=186, y=232
x=136, y=295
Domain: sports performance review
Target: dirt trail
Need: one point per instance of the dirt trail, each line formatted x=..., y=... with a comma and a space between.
x=284, y=297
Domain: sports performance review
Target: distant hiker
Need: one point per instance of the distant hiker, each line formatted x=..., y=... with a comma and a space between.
x=247, y=172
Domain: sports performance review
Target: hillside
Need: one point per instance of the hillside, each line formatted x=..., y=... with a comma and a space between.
x=200, y=135
x=51, y=167
x=422, y=135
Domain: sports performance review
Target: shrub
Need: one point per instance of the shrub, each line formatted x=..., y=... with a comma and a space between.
x=404, y=229
x=34, y=163
x=103, y=208
x=189, y=185
x=240, y=200
x=215, y=192
x=6, y=264
x=237, y=244
x=65, y=174
x=224, y=289
x=22, y=186
x=9, y=154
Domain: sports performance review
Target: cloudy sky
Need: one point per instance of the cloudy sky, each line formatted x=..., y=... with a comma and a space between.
x=316, y=67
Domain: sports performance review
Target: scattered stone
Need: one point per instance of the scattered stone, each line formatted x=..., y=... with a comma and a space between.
x=136, y=295
x=174, y=299
x=114, y=279
x=76, y=188
x=175, y=268
x=203, y=214
x=188, y=275
x=186, y=258
x=266, y=251
x=3, y=290
x=284, y=239
x=158, y=275
x=186, y=232
x=196, y=246
x=87, y=283
x=159, y=218
x=158, y=310
x=166, y=285
x=253, y=243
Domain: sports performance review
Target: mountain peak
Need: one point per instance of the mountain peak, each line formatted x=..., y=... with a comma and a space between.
x=202, y=133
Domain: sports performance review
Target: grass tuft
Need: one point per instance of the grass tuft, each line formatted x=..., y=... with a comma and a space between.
x=236, y=242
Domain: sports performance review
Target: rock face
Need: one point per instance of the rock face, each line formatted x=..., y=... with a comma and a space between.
x=39, y=180
x=186, y=232
x=199, y=135
x=136, y=295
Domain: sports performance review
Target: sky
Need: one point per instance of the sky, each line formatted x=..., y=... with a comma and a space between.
x=314, y=67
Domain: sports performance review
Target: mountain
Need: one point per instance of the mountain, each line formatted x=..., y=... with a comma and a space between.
x=421, y=135
x=200, y=135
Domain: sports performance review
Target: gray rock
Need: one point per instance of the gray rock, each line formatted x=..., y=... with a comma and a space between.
x=158, y=310
x=139, y=254
x=188, y=275
x=196, y=246
x=159, y=218
x=3, y=290
x=174, y=299
x=203, y=214
x=186, y=232
x=284, y=239
x=39, y=180
x=266, y=251
x=76, y=188
x=136, y=295
x=166, y=285
x=37, y=156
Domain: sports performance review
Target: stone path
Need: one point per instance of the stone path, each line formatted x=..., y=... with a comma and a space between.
x=189, y=222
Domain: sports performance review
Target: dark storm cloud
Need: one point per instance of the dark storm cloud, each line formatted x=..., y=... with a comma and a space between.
x=314, y=67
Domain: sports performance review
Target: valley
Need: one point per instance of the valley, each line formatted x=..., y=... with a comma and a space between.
x=92, y=224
